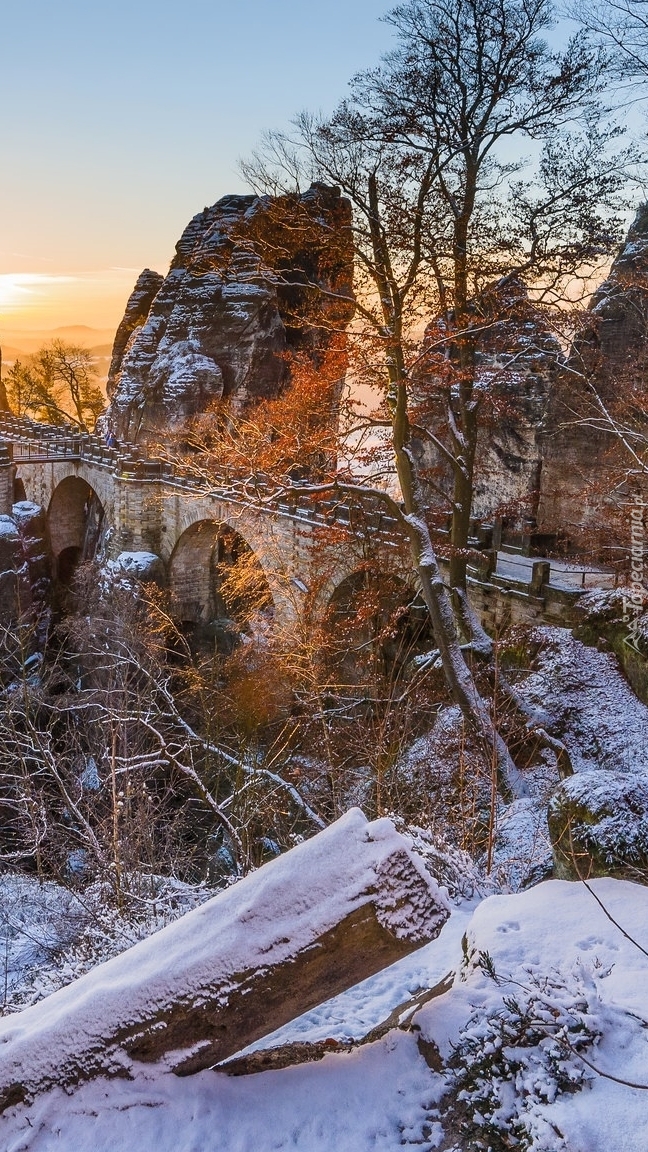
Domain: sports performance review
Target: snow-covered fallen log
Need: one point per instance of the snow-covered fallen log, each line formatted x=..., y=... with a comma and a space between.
x=305, y=927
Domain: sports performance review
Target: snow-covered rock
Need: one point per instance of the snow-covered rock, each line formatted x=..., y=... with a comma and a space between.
x=589, y=703
x=25, y=565
x=330, y=911
x=137, y=309
x=553, y=949
x=598, y=823
x=232, y=305
x=146, y=567
x=549, y=974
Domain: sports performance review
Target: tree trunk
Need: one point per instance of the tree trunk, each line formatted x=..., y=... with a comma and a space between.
x=301, y=929
x=458, y=675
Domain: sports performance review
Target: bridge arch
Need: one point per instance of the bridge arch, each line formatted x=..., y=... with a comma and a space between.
x=19, y=490
x=76, y=519
x=215, y=576
x=375, y=616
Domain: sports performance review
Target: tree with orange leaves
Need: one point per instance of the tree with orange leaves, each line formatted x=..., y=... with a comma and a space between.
x=290, y=437
x=428, y=152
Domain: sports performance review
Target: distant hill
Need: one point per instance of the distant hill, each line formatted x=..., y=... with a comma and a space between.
x=21, y=342
x=16, y=344
x=10, y=354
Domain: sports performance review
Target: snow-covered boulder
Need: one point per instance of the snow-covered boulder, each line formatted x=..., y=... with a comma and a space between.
x=598, y=823
x=616, y=619
x=143, y=566
x=589, y=703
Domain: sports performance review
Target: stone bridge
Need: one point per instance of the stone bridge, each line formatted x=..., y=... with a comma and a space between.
x=116, y=500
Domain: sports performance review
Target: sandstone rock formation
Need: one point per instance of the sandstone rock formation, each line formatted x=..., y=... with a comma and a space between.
x=244, y=289
x=13, y=571
x=582, y=483
x=547, y=452
x=137, y=309
x=517, y=358
x=31, y=522
x=25, y=583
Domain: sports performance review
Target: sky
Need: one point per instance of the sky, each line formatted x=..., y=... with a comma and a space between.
x=119, y=121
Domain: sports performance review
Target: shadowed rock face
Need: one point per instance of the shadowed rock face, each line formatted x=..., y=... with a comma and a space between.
x=146, y=289
x=609, y=360
x=25, y=581
x=12, y=570
x=517, y=360
x=243, y=291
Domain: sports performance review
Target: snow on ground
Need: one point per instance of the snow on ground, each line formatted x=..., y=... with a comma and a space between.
x=558, y=932
x=602, y=722
x=359, y=1102
x=522, y=853
x=589, y=705
x=604, y=726
x=383, y=1096
x=264, y=920
x=551, y=947
x=50, y=935
x=37, y=922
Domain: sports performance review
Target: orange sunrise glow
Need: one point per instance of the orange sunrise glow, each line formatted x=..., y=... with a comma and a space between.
x=34, y=300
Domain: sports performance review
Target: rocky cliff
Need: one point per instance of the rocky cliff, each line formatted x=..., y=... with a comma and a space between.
x=137, y=309
x=584, y=488
x=517, y=360
x=25, y=584
x=253, y=279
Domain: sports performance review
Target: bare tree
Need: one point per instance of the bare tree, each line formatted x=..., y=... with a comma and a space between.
x=428, y=152
x=58, y=384
x=622, y=25
x=114, y=750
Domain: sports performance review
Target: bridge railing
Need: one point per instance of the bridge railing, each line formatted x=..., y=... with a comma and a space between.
x=536, y=572
x=32, y=440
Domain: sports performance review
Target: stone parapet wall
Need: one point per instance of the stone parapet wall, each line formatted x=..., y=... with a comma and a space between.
x=7, y=474
x=305, y=548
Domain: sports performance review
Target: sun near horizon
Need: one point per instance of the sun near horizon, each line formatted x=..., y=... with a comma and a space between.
x=84, y=308
x=124, y=121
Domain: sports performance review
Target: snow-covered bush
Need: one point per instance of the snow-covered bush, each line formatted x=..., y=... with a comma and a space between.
x=50, y=934
x=512, y=1062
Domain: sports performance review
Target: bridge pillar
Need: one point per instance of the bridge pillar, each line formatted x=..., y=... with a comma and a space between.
x=138, y=515
x=7, y=474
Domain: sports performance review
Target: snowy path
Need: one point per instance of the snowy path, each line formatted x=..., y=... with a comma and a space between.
x=383, y=1097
